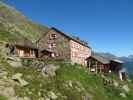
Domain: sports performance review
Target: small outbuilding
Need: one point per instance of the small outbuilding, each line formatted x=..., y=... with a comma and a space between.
x=100, y=64
x=97, y=64
x=23, y=48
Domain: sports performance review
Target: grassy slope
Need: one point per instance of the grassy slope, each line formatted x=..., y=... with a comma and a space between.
x=7, y=37
x=14, y=22
x=3, y=98
x=91, y=84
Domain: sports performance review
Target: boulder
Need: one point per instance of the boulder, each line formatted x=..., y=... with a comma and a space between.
x=19, y=98
x=18, y=78
x=49, y=70
x=116, y=84
x=7, y=91
x=38, y=64
x=26, y=98
x=3, y=72
x=52, y=95
x=87, y=97
x=14, y=61
x=70, y=83
x=3, y=51
x=43, y=99
x=126, y=88
x=123, y=95
x=80, y=86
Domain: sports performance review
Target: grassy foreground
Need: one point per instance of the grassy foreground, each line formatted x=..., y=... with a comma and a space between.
x=72, y=82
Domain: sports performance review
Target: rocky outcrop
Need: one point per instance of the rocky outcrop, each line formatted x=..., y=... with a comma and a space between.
x=52, y=96
x=18, y=78
x=7, y=91
x=125, y=88
x=2, y=72
x=49, y=70
x=14, y=61
x=123, y=95
x=76, y=85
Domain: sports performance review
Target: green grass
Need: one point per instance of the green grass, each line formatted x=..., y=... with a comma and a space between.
x=89, y=83
x=3, y=98
x=6, y=37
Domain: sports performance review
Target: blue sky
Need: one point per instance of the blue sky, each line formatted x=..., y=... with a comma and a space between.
x=107, y=25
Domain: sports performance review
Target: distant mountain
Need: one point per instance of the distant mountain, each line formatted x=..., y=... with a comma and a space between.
x=13, y=23
x=127, y=59
x=106, y=55
x=128, y=63
x=130, y=56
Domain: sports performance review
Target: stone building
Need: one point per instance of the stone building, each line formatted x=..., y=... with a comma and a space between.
x=64, y=47
x=23, y=48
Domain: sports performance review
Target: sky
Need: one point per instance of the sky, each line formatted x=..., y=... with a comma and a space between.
x=107, y=25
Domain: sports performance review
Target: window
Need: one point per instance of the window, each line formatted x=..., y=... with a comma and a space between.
x=73, y=54
x=53, y=55
x=51, y=45
x=53, y=36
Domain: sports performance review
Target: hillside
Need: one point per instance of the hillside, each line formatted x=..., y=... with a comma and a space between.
x=22, y=79
x=57, y=80
x=13, y=23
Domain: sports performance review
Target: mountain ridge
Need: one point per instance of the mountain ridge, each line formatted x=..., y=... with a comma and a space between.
x=13, y=22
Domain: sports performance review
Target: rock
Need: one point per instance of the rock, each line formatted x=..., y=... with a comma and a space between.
x=18, y=78
x=38, y=64
x=126, y=88
x=64, y=97
x=87, y=97
x=3, y=72
x=42, y=99
x=4, y=83
x=52, y=95
x=19, y=98
x=47, y=98
x=7, y=91
x=78, y=89
x=49, y=70
x=3, y=51
x=123, y=95
x=70, y=84
x=80, y=86
x=14, y=61
x=26, y=98
x=116, y=84
x=13, y=98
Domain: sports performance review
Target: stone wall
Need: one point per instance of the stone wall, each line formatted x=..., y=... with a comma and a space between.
x=79, y=53
x=60, y=45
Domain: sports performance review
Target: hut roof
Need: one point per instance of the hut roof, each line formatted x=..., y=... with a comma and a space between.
x=24, y=42
x=71, y=38
x=117, y=61
x=100, y=59
x=105, y=60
